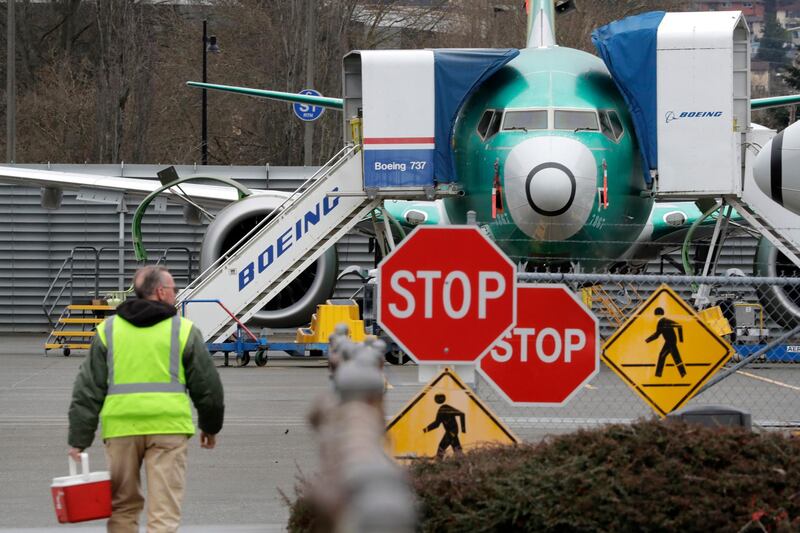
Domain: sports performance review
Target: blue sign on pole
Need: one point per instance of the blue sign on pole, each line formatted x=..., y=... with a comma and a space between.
x=308, y=112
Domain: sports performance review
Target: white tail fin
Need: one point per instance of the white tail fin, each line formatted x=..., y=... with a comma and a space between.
x=541, y=23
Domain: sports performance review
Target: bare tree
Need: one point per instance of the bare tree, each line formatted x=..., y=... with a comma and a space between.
x=58, y=113
x=264, y=46
x=122, y=67
x=105, y=81
x=574, y=29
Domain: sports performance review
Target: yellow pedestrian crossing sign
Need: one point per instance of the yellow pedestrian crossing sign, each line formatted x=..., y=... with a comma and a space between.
x=665, y=352
x=445, y=417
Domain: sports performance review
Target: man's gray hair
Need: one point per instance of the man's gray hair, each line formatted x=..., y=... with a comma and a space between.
x=147, y=279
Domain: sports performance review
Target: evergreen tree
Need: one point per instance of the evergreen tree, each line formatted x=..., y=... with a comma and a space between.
x=791, y=75
x=772, y=45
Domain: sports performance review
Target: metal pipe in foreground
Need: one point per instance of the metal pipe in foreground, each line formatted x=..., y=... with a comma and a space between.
x=359, y=489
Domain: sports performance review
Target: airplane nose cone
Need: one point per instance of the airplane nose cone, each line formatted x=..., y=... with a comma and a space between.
x=551, y=186
x=762, y=169
x=550, y=189
x=775, y=168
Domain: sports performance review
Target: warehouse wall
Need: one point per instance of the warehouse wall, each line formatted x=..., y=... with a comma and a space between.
x=34, y=242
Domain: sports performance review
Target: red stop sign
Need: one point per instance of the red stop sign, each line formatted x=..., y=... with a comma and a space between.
x=550, y=353
x=446, y=294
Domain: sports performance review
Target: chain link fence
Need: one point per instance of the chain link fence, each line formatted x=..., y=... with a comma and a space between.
x=761, y=378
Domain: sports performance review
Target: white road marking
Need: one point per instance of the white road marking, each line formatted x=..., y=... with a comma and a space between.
x=768, y=380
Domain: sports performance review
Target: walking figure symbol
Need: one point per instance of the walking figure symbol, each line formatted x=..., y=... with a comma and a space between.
x=447, y=416
x=672, y=333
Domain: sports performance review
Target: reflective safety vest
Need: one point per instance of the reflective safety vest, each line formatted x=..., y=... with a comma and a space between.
x=146, y=382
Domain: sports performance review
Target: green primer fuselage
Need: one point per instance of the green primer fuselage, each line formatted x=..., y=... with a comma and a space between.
x=561, y=78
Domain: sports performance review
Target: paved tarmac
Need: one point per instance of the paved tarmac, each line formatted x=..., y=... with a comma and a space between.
x=266, y=442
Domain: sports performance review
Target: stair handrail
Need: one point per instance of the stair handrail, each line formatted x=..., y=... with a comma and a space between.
x=69, y=261
x=189, y=260
x=336, y=161
x=219, y=303
x=753, y=217
x=96, y=267
x=49, y=312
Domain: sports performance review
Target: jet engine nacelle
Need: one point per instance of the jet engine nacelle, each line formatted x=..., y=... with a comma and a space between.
x=296, y=303
x=777, y=168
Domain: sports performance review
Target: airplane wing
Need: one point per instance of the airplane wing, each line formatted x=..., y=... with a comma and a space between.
x=774, y=101
x=320, y=101
x=337, y=103
x=212, y=195
x=205, y=195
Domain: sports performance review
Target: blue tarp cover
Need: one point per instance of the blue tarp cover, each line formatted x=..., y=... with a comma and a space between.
x=457, y=73
x=628, y=47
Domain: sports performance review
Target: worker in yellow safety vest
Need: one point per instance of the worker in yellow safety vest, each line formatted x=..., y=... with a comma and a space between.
x=141, y=365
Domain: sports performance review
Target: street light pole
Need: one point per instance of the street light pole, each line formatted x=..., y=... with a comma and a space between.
x=209, y=45
x=204, y=127
x=11, y=86
x=308, y=134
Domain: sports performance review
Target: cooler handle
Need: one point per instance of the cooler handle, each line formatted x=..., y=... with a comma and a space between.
x=73, y=466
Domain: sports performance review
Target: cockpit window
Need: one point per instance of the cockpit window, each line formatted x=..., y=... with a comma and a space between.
x=576, y=120
x=616, y=124
x=494, y=126
x=486, y=119
x=525, y=120
x=610, y=125
x=605, y=126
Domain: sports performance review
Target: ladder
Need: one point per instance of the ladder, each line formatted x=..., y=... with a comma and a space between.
x=68, y=339
x=279, y=248
x=614, y=309
x=781, y=240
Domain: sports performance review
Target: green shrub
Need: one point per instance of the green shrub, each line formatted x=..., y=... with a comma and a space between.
x=647, y=476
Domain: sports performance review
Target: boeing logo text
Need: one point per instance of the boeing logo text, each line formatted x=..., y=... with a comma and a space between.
x=294, y=232
x=672, y=115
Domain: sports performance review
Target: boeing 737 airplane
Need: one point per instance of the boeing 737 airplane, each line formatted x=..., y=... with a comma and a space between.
x=551, y=135
x=545, y=151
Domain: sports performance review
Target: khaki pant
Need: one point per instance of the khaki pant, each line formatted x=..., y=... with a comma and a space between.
x=164, y=458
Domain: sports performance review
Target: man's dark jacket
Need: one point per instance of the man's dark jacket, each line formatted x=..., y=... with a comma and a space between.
x=91, y=385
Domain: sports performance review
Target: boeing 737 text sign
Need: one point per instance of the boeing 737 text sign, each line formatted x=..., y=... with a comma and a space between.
x=446, y=294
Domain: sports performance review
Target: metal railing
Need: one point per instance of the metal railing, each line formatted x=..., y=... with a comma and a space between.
x=761, y=378
x=68, y=266
x=63, y=285
x=228, y=311
x=336, y=161
x=190, y=263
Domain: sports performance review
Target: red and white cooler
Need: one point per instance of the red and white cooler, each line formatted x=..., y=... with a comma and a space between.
x=81, y=497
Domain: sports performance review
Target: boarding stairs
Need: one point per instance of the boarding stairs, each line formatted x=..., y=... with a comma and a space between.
x=785, y=239
x=328, y=205
x=781, y=238
x=77, y=296
x=76, y=326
